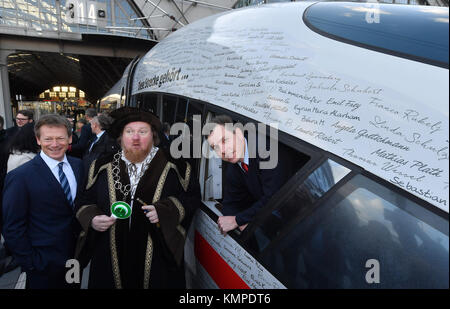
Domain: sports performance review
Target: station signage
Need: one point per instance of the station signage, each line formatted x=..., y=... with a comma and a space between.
x=86, y=12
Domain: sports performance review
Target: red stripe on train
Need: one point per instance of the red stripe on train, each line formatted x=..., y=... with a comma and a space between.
x=224, y=276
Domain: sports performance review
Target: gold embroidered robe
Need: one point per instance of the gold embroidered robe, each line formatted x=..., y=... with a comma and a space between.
x=140, y=254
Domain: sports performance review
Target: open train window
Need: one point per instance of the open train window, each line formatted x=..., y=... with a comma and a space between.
x=296, y=204
x=362, y=221
x=214, y=182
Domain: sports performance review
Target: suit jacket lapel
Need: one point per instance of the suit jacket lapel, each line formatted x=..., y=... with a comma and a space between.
x=100, y=141
x=48, y=176
x=45, y=172
x=77, y=171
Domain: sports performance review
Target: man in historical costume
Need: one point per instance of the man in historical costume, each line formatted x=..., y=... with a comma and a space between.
x=146, y=249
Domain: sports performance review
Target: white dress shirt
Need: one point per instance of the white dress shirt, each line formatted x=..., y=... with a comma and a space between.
x=135, y=177
x=67, y=169
x=96, y=140
x=246, y=158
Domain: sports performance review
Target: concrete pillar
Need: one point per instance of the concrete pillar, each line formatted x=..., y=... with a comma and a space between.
x=5, y=95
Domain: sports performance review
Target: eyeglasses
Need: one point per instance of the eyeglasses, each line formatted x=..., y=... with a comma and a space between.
x=21, y=119
x=141, y=133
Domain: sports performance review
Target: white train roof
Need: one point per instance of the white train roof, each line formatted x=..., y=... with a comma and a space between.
x=385, y=113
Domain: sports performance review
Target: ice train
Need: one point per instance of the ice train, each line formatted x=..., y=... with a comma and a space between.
x=360, y=91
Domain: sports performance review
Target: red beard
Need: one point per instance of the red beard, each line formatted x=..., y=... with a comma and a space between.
x=136, y=156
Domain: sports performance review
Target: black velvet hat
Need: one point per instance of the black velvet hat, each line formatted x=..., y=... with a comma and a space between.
x=124, y=115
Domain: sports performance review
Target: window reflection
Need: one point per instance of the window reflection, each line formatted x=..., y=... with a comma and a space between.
x=313, y=188
x=364, y=220
x=426, y=38
x=49, y=15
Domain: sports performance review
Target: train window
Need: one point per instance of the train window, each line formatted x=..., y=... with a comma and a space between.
x=364, y=224
x=148, y=102
x=190, y=112
x=169, y=109
x=215, y=181
x=421, y=35
x=211, y=169
x=134, y=101
x=137, y=99
x=297, y=203
x=181, y=110
x=107, y=106
x=122, y=98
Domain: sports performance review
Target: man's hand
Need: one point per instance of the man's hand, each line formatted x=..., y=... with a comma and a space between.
x=102, y=223
x=226, y=224
x=242, y=227
x=151, y=213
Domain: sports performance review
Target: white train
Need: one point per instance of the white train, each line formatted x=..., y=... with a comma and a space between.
x=361, y=92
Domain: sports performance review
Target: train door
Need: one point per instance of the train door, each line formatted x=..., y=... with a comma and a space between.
x=332, y=225
x=212, y=259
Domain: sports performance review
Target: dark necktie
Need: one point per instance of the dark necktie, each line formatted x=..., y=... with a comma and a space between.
x=245, y=167
x=93, y=143
x=64, y=183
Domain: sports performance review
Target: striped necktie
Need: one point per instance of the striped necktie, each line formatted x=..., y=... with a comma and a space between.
x=64, y=183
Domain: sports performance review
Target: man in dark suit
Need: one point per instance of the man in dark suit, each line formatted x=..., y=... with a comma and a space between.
x=77, y=149
x=248, y=186
x=22, y=118
x=165, y=141
x=39, y=224
x=101, y=143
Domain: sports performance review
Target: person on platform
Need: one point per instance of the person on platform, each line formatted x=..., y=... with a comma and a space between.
x=146, y=249
x=39, y=223
x=86, y=134
x=79, y=125
x=22, y=147
x=2, y=131
x=248, y=187
x=22, y=118
x=165, y=137
x=72, y=123
x=101, y=144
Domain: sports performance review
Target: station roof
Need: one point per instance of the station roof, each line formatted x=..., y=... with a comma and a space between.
x=32, y=72
x=164, y=17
